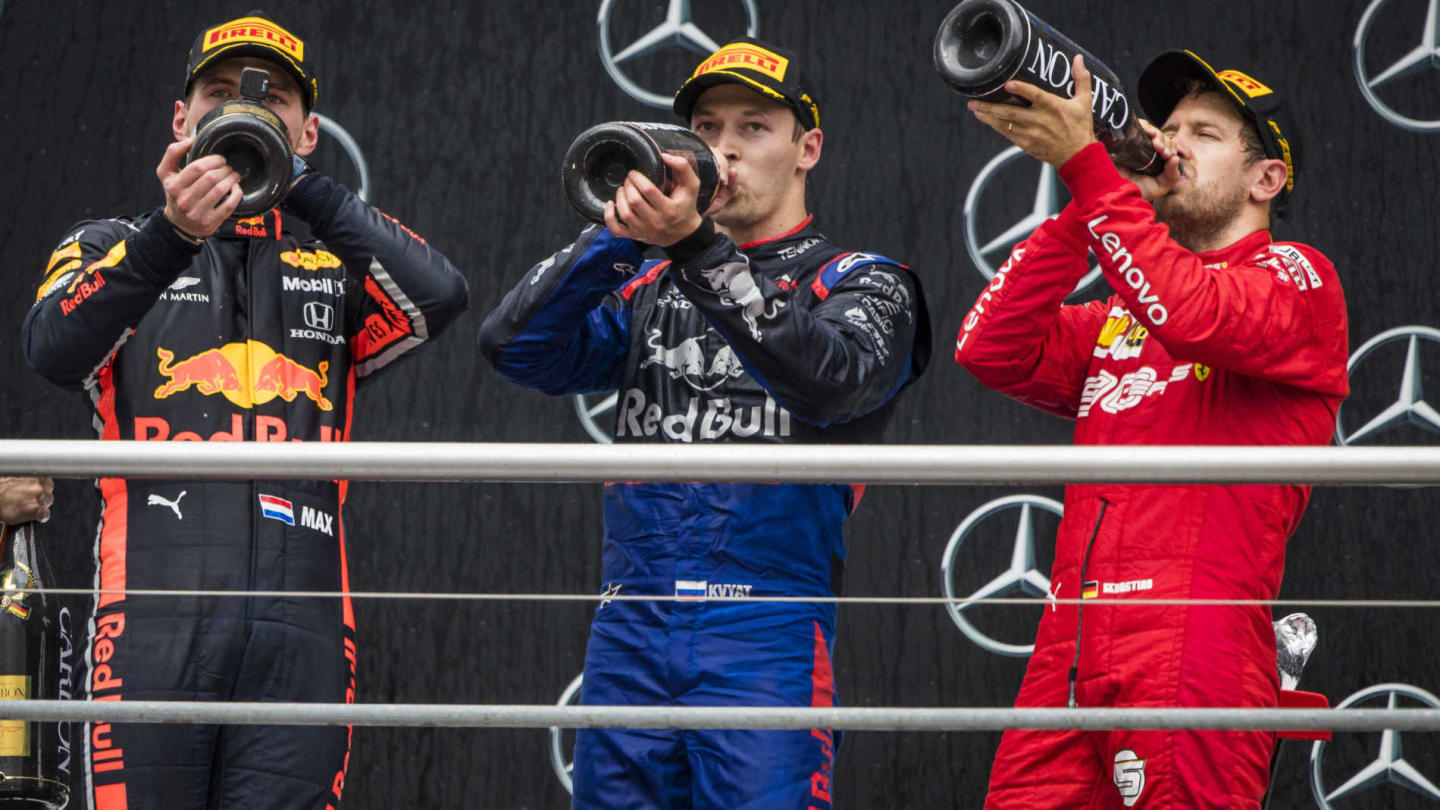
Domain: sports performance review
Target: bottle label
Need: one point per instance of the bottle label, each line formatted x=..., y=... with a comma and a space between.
x=14, y=734
x=12, y=581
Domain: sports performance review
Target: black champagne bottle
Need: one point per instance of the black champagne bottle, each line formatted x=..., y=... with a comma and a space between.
x=984, y=43
x=34, y=756
x=600, y=157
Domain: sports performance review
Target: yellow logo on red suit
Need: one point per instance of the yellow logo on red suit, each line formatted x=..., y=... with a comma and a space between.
x=254, y=29
x=1247, y=85
x=745, y=55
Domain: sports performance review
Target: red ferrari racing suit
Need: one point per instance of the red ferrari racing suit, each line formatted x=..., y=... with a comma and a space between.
x=1245, y=345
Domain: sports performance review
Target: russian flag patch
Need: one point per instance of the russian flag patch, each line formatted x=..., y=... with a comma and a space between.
x=277, y=509
x=690, y=589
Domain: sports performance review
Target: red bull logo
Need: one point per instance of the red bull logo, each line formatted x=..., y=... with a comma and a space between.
x=251, y=226
x=247, y=374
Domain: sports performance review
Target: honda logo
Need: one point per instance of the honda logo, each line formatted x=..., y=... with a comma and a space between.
x=319, y=316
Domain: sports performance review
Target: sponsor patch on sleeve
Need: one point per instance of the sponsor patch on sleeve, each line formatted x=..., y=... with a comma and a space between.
x=1301, y=271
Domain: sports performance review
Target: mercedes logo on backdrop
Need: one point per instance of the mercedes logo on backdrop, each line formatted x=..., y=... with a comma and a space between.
x=1409, y=406
x=678, y=31
x=1423, y=58
x=592, y=409
x=991, y=253
x=1021, y=577
x=1389, y=767
x=562, y=764
x=352, y=150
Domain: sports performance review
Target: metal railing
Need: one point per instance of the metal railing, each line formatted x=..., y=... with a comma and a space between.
x=875, y=464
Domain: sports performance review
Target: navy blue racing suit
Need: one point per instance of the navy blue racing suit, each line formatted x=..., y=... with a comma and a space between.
x=262, y=333
x=786, y=340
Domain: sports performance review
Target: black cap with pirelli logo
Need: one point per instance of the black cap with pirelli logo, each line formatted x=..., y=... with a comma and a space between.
x=253, y=35
x=1163, y=84
x=767, y=69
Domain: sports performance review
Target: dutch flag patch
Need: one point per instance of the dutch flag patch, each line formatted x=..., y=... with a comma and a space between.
x=277, y=509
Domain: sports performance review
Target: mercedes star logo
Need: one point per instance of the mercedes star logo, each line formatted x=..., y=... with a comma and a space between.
x=352, y=149
x=988, y=256
x=1021, y=578
x=677, y=30
x=1409, y=406
x=1389, y=765
x=558, y=760
x=1424, y=56
x=591, y=408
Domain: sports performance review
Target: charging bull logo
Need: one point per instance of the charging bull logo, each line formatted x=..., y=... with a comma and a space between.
x=687, y=361
x=247, y=374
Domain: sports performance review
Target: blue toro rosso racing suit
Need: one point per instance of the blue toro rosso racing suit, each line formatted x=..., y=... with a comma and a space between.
x=785, y=340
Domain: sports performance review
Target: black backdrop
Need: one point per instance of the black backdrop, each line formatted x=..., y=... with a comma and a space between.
x=462, y=111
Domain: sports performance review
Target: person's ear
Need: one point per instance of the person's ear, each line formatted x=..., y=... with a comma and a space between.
x=1269, y=179
x=309, y=135
x=810, y=144
x=177, y=121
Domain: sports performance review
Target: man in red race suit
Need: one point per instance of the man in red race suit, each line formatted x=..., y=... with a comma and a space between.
x=1216, y=335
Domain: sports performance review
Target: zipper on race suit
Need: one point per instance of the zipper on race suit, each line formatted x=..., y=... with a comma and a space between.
x=1080, y=608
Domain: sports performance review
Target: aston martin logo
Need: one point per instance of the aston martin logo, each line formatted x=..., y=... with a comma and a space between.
x=677, y=31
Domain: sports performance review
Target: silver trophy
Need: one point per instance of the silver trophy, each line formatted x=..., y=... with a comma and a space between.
x=1295, y=639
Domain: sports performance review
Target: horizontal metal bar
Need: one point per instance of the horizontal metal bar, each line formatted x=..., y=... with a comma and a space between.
x=876, y=464
x=961, y=601
x=712, y=717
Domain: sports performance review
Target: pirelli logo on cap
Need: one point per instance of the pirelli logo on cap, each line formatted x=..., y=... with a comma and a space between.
x=1246, y=85
x=745, y=55
x=254, y=29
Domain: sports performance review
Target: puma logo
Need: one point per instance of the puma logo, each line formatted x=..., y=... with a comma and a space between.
x=157, y=500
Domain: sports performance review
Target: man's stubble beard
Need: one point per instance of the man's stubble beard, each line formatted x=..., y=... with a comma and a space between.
x=739, y=213
x=1198, y=222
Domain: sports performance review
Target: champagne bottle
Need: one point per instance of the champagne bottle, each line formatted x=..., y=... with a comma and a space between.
x=32, y=754
x=602, y=156
x=984, y=43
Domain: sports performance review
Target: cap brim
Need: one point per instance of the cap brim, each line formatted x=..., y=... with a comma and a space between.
x=261, y=52
x=1159, y=89
x=690, y=92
